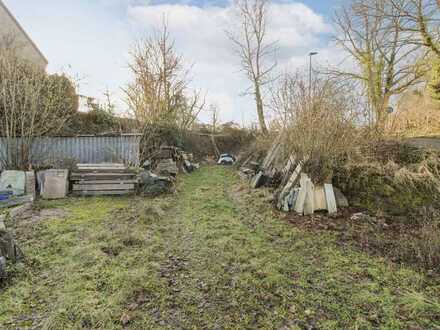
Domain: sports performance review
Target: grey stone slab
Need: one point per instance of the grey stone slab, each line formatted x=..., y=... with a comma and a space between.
x=290, y=184
x=330, y=198
x=258, y=180
x=55, y=184
x=14, y=181
x=167, y=167
x=2, y=222
x=302, y=194
x=309, y=203
x=341, y=200
x=320, y=201
x=2, y=268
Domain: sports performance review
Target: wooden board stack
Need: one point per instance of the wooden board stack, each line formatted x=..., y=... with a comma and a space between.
x=103, y=179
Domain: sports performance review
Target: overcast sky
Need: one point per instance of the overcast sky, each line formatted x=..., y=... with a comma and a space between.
x=91, y=40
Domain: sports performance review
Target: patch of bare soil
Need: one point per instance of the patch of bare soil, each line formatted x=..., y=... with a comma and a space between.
x=385, y=236
x=396, y=238
x=33, y=216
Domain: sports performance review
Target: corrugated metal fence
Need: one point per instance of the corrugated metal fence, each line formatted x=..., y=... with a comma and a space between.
x=82, y=149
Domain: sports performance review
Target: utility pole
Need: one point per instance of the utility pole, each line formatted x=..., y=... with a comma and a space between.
x=311, y=54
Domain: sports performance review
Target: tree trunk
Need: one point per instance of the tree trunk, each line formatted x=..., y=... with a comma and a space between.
x=260, y=109
x=382, y=115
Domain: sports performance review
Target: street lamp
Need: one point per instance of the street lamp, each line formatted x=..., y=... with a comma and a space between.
x=311, y=54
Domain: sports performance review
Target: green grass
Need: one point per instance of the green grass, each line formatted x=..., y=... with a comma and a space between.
x=207, y=257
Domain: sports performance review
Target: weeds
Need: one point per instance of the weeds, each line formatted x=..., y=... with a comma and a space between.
x=210, y=257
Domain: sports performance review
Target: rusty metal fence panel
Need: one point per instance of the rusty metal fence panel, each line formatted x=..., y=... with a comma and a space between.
x=83, y=149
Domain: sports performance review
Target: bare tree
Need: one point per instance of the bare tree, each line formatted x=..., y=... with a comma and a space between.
x=387, y=64
x=254, y=50
x=32, y=105
x=213, y=108
x=160, y=97
x=421, y=18
x=160, y=92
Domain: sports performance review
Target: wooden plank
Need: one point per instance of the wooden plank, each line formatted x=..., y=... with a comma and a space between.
x=290, y=163
x=103, y=170
x=271, y=154
x=99, y=187
x=330, y=198
x=102, y=165
x=103, y=176
x=103, y=193
x=116, y=181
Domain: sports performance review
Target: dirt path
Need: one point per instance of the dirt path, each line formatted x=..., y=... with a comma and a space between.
x=207, y=258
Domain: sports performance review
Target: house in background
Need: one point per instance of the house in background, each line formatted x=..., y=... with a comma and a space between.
x=13, y=35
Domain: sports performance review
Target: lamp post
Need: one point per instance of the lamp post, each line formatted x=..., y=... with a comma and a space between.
x=311, y=54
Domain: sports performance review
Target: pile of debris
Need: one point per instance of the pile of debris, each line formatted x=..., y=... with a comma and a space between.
x=169, y=161
x=9, y=250
x=294, y=189
x=160, y=171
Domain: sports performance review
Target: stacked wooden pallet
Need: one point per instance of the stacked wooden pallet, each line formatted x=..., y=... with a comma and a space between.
x=103, y=179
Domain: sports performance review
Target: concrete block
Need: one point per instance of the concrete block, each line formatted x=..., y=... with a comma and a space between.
x=55, y=184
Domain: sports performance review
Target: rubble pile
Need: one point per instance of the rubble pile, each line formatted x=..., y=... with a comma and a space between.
x=294, y=190
x=9, y=251
x=160, y=172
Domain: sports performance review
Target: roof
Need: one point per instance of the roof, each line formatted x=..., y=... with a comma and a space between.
x=32, y=43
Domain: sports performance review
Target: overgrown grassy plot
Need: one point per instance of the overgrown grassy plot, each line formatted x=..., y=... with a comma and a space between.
x=209, y=257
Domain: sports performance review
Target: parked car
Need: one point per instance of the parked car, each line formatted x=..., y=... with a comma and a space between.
x=226, y=159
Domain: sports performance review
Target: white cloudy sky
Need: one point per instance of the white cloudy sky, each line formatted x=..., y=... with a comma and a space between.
x=91, y=40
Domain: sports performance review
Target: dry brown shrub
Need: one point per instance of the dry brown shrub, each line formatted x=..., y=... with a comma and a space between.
x=417, y=115
x=318, y=124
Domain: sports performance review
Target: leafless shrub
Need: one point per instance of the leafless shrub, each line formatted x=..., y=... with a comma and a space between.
x=416, y=115
x=32, y=105
x=320, y=127
x=160, y=92
x=160, y=98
